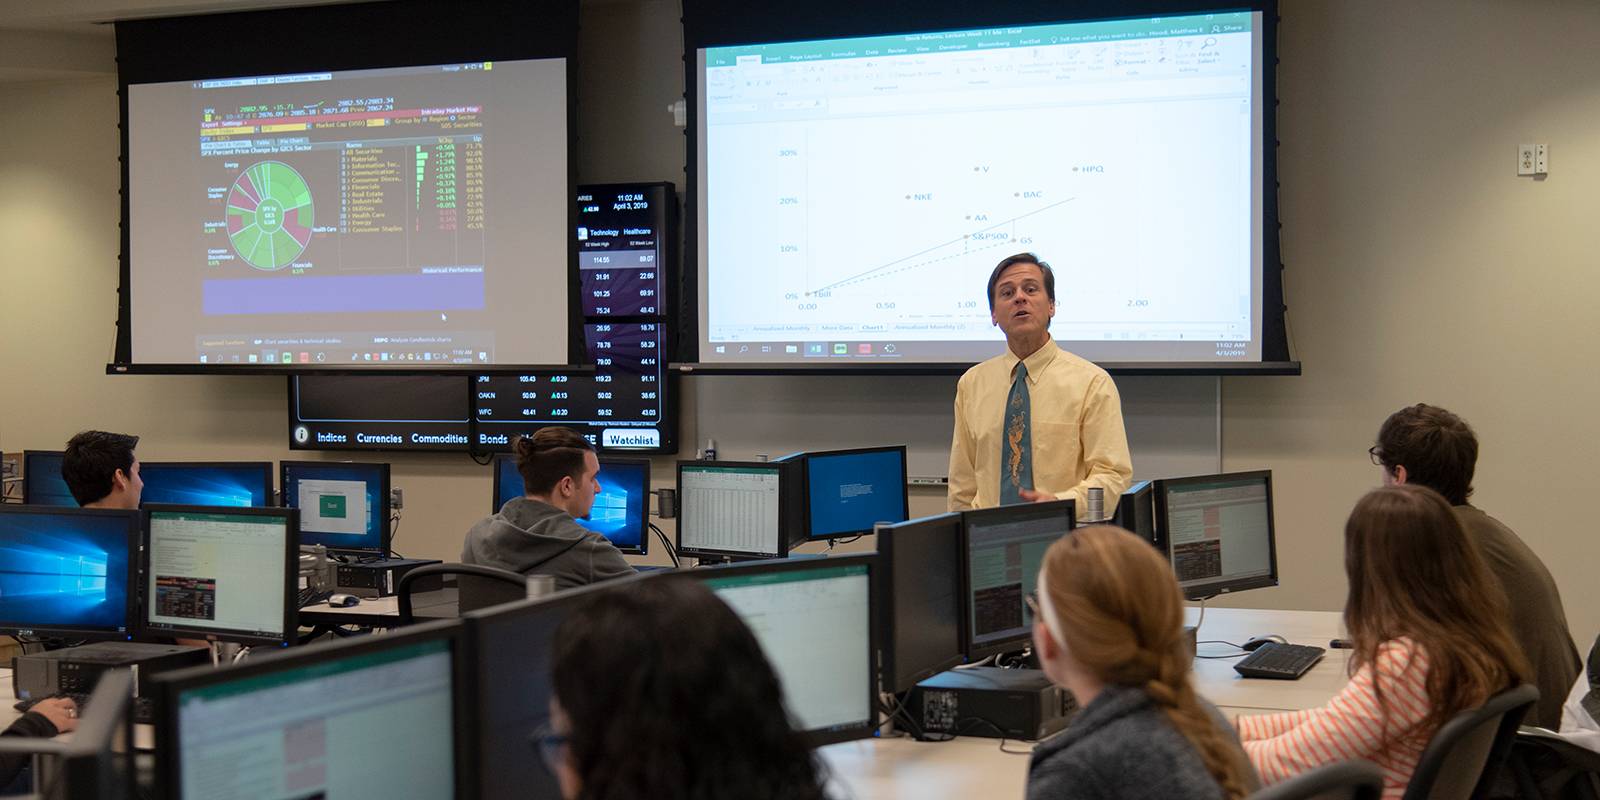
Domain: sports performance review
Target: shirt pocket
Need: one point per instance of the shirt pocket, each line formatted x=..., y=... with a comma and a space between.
x=1056, y=443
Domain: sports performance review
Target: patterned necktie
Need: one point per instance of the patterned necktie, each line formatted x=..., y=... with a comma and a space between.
x=1016, y=447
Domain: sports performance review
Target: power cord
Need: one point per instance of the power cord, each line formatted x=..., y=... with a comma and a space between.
x=672, y=552
x=394, y=532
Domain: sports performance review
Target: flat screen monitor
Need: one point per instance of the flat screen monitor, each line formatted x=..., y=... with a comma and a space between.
x=511, y=649
x=375, y=716
x=1136, y=512
x=68, y=571
x=239, y=484
x=1003, y=548
x=850, y=491
x=343, y=506
x=1218, y=532
x=621, y=511
x=737, y=509
x=815, y=620
x=42, y=484
x=223, y=574
x=920, y=579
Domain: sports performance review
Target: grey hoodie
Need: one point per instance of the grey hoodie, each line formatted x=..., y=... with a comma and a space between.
x=536, y=538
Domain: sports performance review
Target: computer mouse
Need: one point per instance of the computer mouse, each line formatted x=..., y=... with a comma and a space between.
x=1252, y=643
x=343, y=600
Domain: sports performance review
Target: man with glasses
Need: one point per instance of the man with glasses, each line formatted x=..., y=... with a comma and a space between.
x=1432, y=447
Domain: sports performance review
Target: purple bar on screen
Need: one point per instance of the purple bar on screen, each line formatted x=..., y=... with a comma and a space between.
x=344, y=293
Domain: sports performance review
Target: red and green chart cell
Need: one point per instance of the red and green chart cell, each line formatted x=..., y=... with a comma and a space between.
x=269, y=215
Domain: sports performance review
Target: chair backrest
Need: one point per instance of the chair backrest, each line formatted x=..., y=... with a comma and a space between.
x=1346, y=780
x=1464, y=757
x=478, y=586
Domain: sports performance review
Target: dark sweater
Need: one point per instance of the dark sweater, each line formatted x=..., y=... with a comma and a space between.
x=30, y=724
x=1538, y=621
x=536, y=538
x=1123, y=747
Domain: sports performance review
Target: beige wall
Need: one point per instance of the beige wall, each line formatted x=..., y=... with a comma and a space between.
x=1418, y=268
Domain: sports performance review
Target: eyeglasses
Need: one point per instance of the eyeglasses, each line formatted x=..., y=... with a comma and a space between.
x=1376, y=455
x=549, y=744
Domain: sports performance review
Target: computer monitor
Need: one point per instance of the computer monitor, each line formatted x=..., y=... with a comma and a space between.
x=344, y=506
x=739, y=509
x=850, y=491
x=1136, y=512
x=621, y=511
x=816, y=620
x=68, y=572
x=224, y=574
x=374, y=716
x=97, y=763
x=240, y=484
x=1218, y=531
x=1002, y=549
x=920, y=582
x=42, y=484
x=511, y=649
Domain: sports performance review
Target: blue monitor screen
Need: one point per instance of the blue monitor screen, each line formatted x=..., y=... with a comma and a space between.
x=43, y=484
x=65, y=570
x=240, y=485
x=342, y=506
x=620, y=511
x=852, y=492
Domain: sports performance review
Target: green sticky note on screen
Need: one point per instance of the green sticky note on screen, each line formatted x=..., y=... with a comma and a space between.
x=332, y=506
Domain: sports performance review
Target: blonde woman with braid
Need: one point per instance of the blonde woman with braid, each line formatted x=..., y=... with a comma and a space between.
x=1108, y=627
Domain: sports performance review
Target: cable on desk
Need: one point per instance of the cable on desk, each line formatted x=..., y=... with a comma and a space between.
x=672, y=552
x=1241, y=654
x=965, y=724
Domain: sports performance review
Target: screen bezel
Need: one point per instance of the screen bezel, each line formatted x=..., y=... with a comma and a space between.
x=863, y=729
x=130, y=610
x=264, y=466
x=291, y=575
x=383, y=515
x=644, y=510
x=168, y=688
x=977, y=651
x=1221, y=585
x=786, y=499
x=918, y=530
x=27, y=480
x=905, y=498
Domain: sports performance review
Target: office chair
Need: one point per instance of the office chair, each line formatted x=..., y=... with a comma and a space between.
x=1464, y=757
x=1346, y=780
x=1548, y=767
x=479, y=587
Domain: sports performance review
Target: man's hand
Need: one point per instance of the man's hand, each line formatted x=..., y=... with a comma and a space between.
x=1035, y=496
x=61, y=711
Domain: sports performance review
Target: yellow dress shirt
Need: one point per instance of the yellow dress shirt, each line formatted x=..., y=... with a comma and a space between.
x=1078, y=438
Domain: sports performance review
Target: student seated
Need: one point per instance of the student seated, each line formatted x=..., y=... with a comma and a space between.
x=47, y=718
x=1108, y=626
x=101, y=470
x=538, y=534
x=661, y=691
x=1431, y=638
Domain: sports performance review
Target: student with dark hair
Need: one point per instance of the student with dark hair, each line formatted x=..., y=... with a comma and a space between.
x=1108, y=626
x=1431, y=637
x=538, y=533
x=662, y=692
x=101, y=470
x=1429, y=446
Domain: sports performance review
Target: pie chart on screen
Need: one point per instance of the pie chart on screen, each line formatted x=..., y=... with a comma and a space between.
x=269, y=215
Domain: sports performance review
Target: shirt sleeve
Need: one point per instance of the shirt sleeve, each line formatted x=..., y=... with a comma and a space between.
x=1105, y=446
x=963, y=487
x=1351, y=725
x=606, y=561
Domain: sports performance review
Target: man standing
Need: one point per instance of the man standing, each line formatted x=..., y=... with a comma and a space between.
x=1036, y=423
x=1430, y=446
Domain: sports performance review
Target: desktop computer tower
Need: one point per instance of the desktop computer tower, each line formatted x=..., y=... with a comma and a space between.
x=381, y=578
x=1012, y=703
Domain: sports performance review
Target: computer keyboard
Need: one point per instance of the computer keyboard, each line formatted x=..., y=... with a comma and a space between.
x=143, y=708
x=1282, y=661
x=308, y=596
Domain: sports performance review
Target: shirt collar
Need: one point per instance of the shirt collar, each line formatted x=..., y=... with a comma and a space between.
x=1037, y=362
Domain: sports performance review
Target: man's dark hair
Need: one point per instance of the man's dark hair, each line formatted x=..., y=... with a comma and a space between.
x=1437, y=448
x=91, y=463
x=1023, y=258
x=636, y=667
x=549, y=455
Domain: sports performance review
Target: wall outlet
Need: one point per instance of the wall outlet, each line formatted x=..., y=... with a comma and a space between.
x=1525, y=157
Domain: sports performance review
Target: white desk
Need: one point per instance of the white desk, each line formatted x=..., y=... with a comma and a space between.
x=975, y=767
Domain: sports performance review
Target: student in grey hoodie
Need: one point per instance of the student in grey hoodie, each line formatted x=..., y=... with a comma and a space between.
x=538, y=533
x=1108, y=626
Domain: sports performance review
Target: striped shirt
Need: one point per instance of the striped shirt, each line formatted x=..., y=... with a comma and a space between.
x=1352, y=724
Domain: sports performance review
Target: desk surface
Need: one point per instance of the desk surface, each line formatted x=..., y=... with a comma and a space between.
x=975, y=767
x=437, y=604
